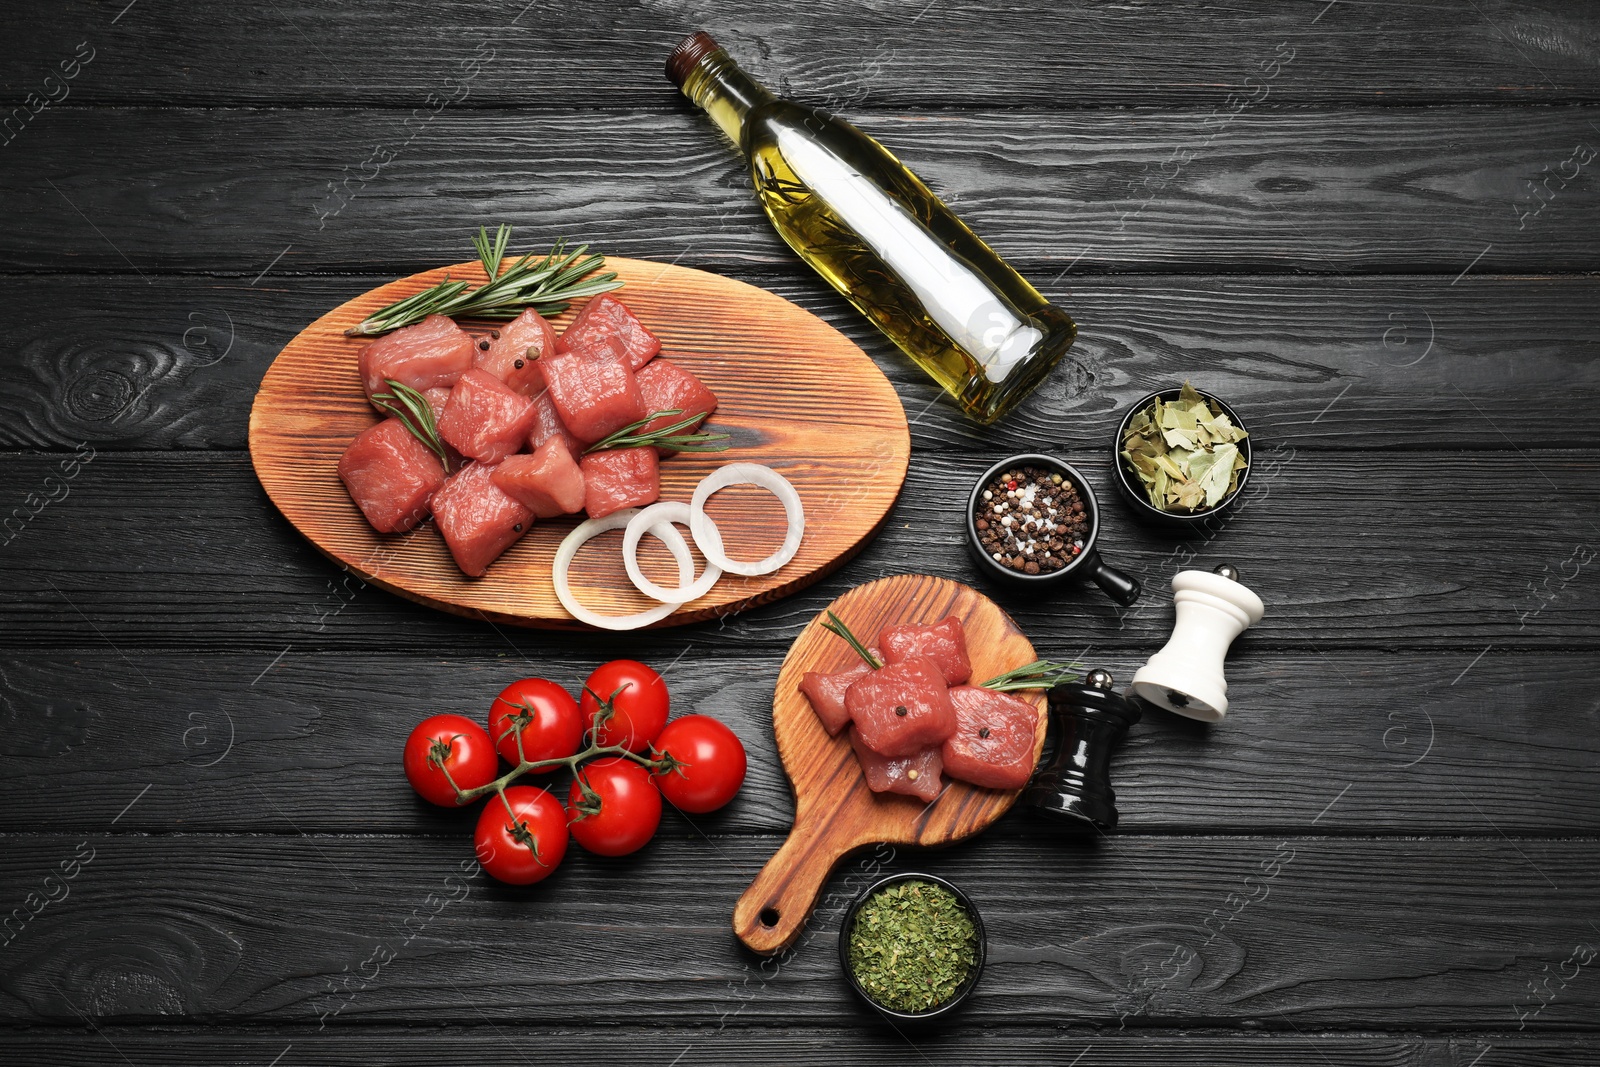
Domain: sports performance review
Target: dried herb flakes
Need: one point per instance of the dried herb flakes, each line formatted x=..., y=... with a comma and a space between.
x=1185, y=452
x=913, y=945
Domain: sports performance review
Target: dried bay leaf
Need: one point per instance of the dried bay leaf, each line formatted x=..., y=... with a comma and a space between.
x=1180, y=439
x=1214, y=478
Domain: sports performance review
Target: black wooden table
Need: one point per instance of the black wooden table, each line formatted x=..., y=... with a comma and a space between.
x=1372, y=227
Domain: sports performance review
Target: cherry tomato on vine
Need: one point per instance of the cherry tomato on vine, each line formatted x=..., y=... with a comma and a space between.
x=620, y=811
x=638, y=700
x=527, y=849
x=461, y=746
x=712, y=763
x=548, y=718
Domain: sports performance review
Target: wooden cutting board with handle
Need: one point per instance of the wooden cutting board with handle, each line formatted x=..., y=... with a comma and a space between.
x=835, y=813
x=795, y=394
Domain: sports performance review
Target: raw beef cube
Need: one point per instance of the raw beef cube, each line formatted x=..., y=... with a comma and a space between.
x=916, y=775
x=594, y=395
x=944, y=642
x=902, y=708
x=477, y=520
x=434, y=352
x=666, y=385
x=605, y=325
x=486, y=419
x=437, y=397
x=514, y=357
x=993, y=742
x=826, y=693
x=619, y=478
x=547, y=424
x=391, y=476
x=549, y=481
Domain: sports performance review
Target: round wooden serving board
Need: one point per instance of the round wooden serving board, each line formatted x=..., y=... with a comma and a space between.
x=835, y=813
x=794, y=393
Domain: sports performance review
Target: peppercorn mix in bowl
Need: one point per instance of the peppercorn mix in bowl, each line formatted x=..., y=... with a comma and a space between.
x=1032, y=521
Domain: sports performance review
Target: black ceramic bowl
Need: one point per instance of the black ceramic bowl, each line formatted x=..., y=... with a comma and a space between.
x=959, y=996
x=1122, y=588
x=1133, y=490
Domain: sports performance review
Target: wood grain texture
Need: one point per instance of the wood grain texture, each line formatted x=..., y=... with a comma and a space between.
x=1074, y=54
x=1426, y=749
x=1273, y=190
x=174, y=364
x=1317, y=261
x=870, y=1043
x=835, y=813
x=1360, y=934
x=201, y=562
x=793, y=393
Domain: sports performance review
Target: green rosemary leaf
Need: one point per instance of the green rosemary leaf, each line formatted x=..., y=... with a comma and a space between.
x=663, y=437
x=1040, y=674
x=835, y=625
x=491, y=255
x=548, y=285
x=415, y=413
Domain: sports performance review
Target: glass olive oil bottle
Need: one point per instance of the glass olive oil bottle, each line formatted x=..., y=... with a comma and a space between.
x=879, y=236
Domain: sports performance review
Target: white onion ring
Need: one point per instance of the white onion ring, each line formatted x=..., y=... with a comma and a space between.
x=709, y=539
x=591, y=528
x=663, y=513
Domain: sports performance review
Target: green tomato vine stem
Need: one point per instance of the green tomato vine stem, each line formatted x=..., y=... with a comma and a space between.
x=656, y=763
x=661, y=765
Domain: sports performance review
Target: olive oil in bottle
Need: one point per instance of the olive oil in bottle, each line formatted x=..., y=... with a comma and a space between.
x=883, y=239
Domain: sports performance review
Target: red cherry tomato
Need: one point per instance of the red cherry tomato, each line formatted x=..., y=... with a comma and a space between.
x=638, y=699
x=461, y=745
x=529, y=848
x=713, y=763
x=622, y=811
x=547, y=716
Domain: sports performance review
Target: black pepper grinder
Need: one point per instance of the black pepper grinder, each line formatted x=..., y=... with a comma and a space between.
x=1087, y=720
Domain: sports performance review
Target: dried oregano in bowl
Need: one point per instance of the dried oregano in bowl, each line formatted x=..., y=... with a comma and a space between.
x=913, y=945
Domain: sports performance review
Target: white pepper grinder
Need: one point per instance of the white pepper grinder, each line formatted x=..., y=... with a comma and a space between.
x=1186, y=675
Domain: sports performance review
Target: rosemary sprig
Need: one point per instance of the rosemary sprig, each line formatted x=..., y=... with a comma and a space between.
x=663, y=437
x=835, y=625
x=1040, y=674
x=547, y=286
x=413, y=409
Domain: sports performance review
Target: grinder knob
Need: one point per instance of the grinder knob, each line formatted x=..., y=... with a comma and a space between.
x=1087, y=721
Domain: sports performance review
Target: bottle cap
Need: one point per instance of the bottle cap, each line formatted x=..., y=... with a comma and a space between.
x=689, y=52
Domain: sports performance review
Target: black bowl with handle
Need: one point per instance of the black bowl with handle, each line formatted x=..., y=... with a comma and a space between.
x=1086, y=566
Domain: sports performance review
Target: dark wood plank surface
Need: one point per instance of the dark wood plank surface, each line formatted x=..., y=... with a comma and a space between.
x=1274, y=189
x=1312, y=363
x=1351, y=932
x=803, y=1046
x=955, y=53
x=1421, y=755
x=201, y=561
x=1340, y=217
